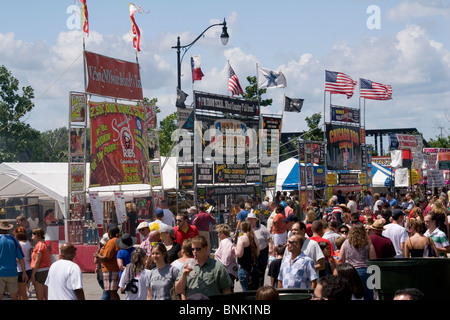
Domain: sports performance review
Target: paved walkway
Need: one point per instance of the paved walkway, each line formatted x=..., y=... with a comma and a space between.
x=92, y=290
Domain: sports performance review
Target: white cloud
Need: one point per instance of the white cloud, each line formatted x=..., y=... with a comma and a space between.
x=412, y=61
x=410, y=9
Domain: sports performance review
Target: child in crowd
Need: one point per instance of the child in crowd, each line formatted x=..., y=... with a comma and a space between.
x=338, y=242
x=274, y=267
x=330, y=263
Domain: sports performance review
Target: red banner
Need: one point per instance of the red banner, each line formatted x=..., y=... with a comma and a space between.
x=119, y=152
x=113, y=78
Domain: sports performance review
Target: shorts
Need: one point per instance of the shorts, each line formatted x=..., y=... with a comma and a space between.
x=29, y=272
x=110, y=280
x=8, y=284
x=41, y=276
x=279, y=238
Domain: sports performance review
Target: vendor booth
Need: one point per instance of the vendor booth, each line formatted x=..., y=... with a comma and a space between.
x=46, y=185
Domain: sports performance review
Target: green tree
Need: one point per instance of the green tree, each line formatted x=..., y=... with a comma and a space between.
x=55, y=145
x=315, y=132
x=167, y=126
x=251, y=92
x=440, y=142
x=17, y=139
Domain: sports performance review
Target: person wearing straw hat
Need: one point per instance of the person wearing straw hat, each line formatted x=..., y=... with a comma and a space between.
x=384, y=248
x=10, y=251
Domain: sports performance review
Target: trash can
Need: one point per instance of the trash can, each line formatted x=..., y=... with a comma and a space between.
x=285, y=294
x=429, y=275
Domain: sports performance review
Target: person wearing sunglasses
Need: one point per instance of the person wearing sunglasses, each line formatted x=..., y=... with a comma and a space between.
x=297, y=270
x=183, y=230
x=204, y=275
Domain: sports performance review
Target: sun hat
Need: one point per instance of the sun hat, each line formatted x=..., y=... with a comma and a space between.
x=143, y=225
x=378, y=225
x=125, y=241
x=4, y=225
x=252, y=215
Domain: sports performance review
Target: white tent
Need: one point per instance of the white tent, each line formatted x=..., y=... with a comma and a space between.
x=288, y=174
x=49, y=181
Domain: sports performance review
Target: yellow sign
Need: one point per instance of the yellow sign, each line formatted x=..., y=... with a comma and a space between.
x=332, y=179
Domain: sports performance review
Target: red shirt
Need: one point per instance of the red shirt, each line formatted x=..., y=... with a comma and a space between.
x=181, y=235
x=280, y=224
x=318, y=239
x=202, y=221
x=41, y=247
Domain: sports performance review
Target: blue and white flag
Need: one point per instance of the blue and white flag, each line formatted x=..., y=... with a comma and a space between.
x=270, y=79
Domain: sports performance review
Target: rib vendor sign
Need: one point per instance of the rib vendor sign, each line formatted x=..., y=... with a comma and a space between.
x=344, y=147
x=119, y=152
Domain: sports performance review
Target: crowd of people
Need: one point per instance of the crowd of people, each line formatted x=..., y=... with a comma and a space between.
x=324, y=249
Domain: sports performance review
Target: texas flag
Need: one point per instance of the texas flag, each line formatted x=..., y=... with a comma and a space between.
x=197, y=73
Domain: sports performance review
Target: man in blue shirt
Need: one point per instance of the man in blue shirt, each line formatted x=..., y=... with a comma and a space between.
x=297, y=269
x=391, y=200
x=10, y=250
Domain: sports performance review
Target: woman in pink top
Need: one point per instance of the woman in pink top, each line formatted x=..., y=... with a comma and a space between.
x=226, y=253
x=40, y=264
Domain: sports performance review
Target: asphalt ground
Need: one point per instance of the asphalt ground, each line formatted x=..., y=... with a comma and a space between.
x=93, y=291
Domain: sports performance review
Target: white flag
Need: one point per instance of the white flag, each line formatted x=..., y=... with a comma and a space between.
x=270, y=79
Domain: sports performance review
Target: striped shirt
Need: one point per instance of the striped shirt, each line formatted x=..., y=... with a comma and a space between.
x=439, y=238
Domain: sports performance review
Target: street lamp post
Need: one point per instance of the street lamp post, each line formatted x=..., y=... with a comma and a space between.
x=224, y=37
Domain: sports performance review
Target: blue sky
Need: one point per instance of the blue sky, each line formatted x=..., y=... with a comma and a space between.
x=410, y=51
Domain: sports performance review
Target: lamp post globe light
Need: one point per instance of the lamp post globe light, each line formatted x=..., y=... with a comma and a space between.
x=224, y=37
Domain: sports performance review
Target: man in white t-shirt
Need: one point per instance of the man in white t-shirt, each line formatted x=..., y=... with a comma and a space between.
x=33, y=221
x=64, y=280
x=396, y=232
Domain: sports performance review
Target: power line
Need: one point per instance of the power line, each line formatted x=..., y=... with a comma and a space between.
x=43, y=93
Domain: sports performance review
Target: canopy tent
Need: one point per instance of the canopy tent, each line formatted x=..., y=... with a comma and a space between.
x=381, y=176
x=49, y=181
x=288, y=175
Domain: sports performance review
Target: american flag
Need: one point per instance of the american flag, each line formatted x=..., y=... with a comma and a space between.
x=340, y=83
x=233, y=83
x=373, y=90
